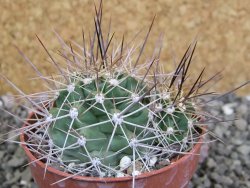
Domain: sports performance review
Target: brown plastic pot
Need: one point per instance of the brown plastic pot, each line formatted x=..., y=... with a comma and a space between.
x=176, y=175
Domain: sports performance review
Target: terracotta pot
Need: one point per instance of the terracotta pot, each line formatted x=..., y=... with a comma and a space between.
x=176, y=175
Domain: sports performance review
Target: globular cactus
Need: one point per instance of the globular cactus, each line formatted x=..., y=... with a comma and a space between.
x=104, y=117
x=108, y=114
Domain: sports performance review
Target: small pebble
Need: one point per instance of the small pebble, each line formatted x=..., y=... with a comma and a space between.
x=244, y=150
x=225, y=180
x=242, y=110
x=162, y=163
x=125, y=162
x=138, y=165
x=211, y=163
x=152, y=161
x=227, y=109
x=241, y=124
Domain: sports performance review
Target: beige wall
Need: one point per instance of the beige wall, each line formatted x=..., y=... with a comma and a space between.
x=223, y=29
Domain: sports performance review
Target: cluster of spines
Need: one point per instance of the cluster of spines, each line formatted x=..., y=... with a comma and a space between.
x=155, y=126
x=169, y=126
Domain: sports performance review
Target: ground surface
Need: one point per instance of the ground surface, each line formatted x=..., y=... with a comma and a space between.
x=224, y=165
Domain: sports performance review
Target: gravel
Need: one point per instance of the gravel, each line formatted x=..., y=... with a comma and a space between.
x=13, y=172
x=223, y=163
x=227, y=164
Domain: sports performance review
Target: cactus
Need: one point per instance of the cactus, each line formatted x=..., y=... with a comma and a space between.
x=108, y=111
x=107, y=115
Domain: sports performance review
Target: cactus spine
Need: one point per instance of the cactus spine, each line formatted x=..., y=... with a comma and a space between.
x=107, y=112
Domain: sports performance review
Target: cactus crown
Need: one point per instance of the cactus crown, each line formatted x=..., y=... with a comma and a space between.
x=107, y=114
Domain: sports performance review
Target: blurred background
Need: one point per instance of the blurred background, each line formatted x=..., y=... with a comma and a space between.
x=222, y=29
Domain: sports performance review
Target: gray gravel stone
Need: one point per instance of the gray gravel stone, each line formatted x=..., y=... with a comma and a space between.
x=16, y=162
x=241, y=124
x=211, y=163
x=225, y=180
x=242, y=110
x=14, y=178
x=207, y=183
x=2, y=153
x=12, y=156
x=244, y=149
x=219, y=131
x=234, y=155
x=214, y=176
x=223, y=168
x=237, y=141
x=8, y=101
x=26, y=175
x=11, y=148
x=236, y=162
x=218, y=186
x=247, y=184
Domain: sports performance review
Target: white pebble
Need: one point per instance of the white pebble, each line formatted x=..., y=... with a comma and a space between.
x=125, y=162
x=71, y=165
x=119, y=174
x=152, y=161
x=23, y=182
x=82, y=165
x=102, y=174
x=227, y=109
x=8, y=101
x=248, y=97
x=136, y=173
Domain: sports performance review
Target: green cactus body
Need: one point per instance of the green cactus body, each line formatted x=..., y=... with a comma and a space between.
x=96, y=102
x=113, y=108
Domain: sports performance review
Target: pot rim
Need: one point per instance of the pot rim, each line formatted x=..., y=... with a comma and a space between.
x=173, y=164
